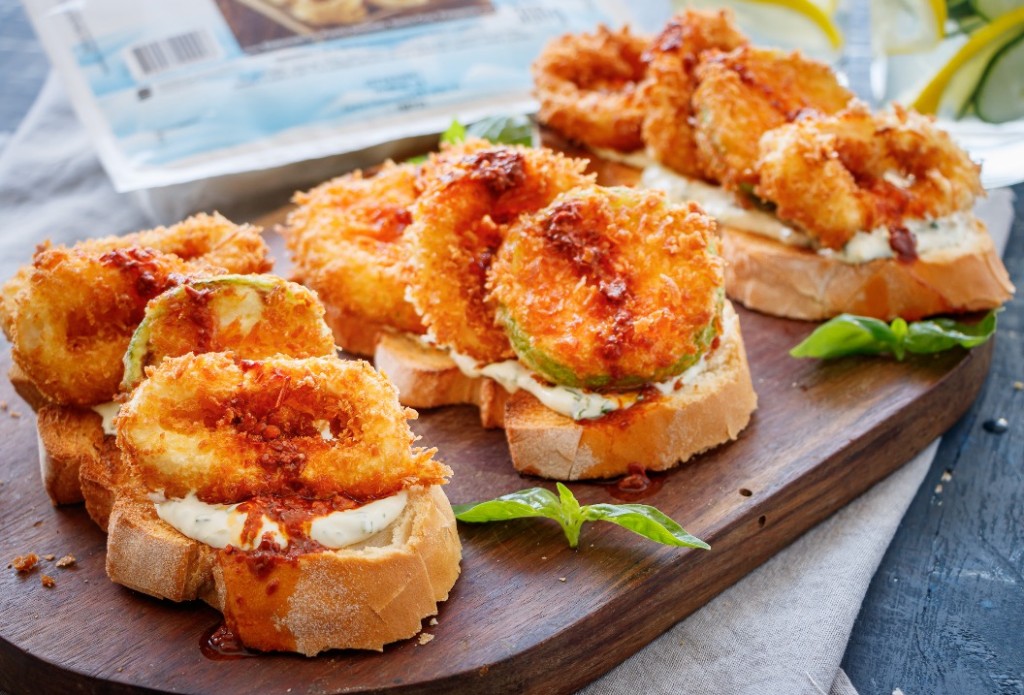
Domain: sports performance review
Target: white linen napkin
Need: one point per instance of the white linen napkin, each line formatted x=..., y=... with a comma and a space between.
x=782, y=629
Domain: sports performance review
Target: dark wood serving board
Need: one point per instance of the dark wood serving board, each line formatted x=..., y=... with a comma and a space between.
x=528, y=614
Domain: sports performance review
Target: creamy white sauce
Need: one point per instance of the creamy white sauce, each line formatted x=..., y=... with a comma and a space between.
x=930, y=235
x=950, y=231
x=580, y=404
x=722, y=205
x=108, y=411
x=221, y=525
x=638, y=159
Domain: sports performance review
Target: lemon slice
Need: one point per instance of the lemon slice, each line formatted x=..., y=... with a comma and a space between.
x=954, y=84
x=908, y=26
x=803, y=24
x=993, y=9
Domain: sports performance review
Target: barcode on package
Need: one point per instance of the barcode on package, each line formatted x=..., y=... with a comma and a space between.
x=155, y=57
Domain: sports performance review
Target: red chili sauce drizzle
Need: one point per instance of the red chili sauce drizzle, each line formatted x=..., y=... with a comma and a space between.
x=218, y=643
x=636, y=485
x=902, y=243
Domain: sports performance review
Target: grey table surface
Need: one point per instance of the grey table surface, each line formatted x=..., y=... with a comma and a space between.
x=945, y=611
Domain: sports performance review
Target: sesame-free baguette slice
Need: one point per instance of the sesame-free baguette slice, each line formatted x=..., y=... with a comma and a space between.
x=768, y=276
x=360, y=597
x=427, y=377
x=707, y=411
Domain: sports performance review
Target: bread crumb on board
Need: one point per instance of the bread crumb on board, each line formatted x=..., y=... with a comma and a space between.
x=66, y=561
x=425, y=637
x=49, y=557
x=47, y=581
x=25, y=563
x=433, y=621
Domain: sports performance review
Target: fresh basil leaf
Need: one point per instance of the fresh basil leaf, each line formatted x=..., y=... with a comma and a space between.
x=503, y=130
x=571, y=517
x=535, y=501
x=456, y=133
x=846, y=334
x=642, y=519
x=942, y=334
x=646, y=521
x=859, y=335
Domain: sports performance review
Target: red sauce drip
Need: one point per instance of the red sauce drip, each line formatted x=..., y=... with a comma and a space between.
x=636, y=485
x=499, y=170
x=218, y=643
x=902, y=243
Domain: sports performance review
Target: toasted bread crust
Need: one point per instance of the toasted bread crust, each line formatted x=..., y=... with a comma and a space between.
x=69, y=438
x=361, y=597
x=770, y=277
x=658, y=434
x=427, y=378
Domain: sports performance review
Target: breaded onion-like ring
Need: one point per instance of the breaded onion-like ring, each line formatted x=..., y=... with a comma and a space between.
x=587, y=87
x=458, y=226
x=747, y=92
x=610, y=288
x=75, y=309
x=669, y=84
x=348, y=241
x=253, y=316
x=857, y=171
x=228, y=430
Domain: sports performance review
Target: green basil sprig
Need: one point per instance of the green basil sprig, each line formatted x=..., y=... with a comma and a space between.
x=501, y=130
x=847, y=334
x=564, y=508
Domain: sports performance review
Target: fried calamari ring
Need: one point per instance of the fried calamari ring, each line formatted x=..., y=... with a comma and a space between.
x=75, y=310
x=348, y=242
x=458, y=225
x=858, y=171
x=587, y=87
x=228, y=429
x=253, y=316
x=610, y=288
x=667, y=88
x=749, y=91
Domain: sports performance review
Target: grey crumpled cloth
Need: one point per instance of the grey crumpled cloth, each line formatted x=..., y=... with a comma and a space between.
x=781, y=630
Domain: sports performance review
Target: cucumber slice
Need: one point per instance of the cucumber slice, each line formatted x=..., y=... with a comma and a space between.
x=990, y=9
x=1000, y=95
x=236, y=300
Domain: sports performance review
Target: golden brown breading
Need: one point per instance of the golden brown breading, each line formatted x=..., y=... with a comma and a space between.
x=857, y=171
x=458, y=225
x=229, y=429
x=667, y=88
x=587, y=87
x=73, y=311
x=745, y=93
x=347, y=240
x=254, y=316
x=610, y=287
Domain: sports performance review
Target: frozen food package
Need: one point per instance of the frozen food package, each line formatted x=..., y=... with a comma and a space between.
x=199, y=90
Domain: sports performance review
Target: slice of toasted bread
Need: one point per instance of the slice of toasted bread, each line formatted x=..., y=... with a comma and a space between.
x=657, y=434
x=77, y=460
x=360, y=597
x=426, y=377
x=771, y=277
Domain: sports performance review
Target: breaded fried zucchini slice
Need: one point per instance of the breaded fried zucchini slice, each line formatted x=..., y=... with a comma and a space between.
x=254, y=316
x=610, y=288
x=458, y=225
x=228, y=429
x=74, y=310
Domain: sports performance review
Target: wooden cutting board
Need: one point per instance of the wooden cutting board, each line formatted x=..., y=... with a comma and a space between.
x=528, y=614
